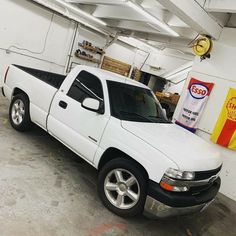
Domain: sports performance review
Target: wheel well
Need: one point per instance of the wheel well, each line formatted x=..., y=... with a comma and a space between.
x=19, y=91
x=113, y=153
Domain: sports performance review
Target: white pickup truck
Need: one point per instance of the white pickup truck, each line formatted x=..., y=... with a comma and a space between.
x=146, y=164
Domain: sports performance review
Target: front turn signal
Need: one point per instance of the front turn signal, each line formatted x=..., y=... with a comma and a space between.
x=166, y=186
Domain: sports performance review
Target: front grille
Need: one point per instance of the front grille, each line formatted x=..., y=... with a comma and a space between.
x=199, y=189
x=195, y=190
x=201, y=175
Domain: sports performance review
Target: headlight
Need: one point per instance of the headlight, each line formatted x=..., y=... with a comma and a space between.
x=182, y=175
x=176, y=180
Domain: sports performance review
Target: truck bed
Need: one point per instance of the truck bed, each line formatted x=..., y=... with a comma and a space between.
x=50, y=78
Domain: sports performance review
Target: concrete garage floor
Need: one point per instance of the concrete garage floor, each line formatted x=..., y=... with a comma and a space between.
x=46, y=190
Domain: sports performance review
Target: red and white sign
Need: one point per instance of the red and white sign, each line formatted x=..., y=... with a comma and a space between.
x=195, y=100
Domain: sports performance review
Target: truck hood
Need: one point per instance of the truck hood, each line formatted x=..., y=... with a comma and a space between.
x=187, y=150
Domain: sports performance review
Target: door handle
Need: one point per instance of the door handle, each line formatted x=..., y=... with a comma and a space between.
x=63, y=104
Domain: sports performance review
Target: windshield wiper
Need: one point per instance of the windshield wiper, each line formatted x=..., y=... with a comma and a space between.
x=161, y=119
x=136, y=114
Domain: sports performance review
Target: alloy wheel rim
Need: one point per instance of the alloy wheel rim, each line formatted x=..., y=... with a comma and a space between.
x=18, y=112
x=122, y=189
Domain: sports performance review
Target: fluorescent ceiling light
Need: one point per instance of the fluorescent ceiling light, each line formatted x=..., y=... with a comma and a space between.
x=87, y=15
x=137, y=43
x=151, y=18
x=102, y=2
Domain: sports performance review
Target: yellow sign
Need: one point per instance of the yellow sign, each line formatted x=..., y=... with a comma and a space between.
x=224, y=132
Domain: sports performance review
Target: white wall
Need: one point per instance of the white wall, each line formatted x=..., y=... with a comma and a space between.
x=178, y=78
x=167, y=60
x=132, y=56
x=96, y=39
x=118, y=50
x=220, y=70
x=30, y=31
x=177, y=85
x=158, y=62
x=25, y=25
x=122, y=52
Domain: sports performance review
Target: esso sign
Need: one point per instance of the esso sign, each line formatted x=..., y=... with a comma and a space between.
x=198, y=91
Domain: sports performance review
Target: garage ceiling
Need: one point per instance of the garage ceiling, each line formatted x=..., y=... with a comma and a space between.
x=160, y=23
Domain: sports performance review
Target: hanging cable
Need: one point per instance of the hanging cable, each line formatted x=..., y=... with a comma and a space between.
x=8, y=50
x=190, y=44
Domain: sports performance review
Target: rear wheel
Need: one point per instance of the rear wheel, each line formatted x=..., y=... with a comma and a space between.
x=19, y=113
x=122, y=187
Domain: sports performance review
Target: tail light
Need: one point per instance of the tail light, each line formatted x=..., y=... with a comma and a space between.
x=5, y=77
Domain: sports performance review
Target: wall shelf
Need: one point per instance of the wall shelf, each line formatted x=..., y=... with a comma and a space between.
x=87, y=58
x=91, y=48
x=115, y=66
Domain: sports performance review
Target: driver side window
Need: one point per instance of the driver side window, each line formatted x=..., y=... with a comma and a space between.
x=86, y=85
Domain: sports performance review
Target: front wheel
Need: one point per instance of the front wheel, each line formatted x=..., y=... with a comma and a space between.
x=19, y=113
x=122, y=187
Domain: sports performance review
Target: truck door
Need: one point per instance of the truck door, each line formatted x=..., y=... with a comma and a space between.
x=78, y=128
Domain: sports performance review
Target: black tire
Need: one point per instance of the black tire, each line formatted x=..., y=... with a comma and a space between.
x=137, y=172
x=26, y=123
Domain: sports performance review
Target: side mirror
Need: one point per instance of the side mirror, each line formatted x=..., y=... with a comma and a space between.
x=92, y=104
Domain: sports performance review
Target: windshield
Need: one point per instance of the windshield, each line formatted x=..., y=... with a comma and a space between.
x=132, y=103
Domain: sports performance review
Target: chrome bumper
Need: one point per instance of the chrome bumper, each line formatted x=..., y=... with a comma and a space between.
x=154, y=209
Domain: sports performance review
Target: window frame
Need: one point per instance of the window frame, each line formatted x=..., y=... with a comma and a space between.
x=113, y=113
x=85, y=89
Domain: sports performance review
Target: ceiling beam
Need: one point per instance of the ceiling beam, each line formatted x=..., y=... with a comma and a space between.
x=131, y=25
x=73, y=16
x=194, y=15
x=151, y=4
x=228, y=6
x=166, y=40
x=97, y=2
x=126, y=13
x=118, y=12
